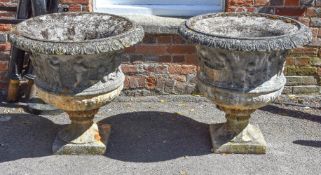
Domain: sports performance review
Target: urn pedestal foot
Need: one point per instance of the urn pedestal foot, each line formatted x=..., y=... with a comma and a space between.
x=237, y=136
x=82, y=136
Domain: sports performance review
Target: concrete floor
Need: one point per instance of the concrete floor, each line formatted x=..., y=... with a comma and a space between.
x=163, y=135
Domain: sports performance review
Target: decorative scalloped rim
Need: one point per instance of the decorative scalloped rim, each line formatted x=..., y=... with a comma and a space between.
x=88, y=47
x=283, y=42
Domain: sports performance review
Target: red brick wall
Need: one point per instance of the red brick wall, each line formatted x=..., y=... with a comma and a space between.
x=78, y=5
x=165, y=64
x=4, y=45
x=162, y=64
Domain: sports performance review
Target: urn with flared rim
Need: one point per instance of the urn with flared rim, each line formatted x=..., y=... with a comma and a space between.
x=76, y=57
x=241, y=59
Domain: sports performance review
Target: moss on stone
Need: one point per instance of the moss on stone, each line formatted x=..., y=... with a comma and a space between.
x=300, y=70
x=315, y=61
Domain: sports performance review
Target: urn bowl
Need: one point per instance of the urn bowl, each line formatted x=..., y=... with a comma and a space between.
x=242, y=55
x=77, y=55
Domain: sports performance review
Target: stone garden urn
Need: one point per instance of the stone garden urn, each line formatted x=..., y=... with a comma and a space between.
x=241, y=59
x=76, y=57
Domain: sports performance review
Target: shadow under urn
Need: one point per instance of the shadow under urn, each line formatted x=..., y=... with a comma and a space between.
x=241, y=59
x=76, y=57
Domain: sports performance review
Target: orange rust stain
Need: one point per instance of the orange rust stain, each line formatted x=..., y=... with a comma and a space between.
x=97, y=136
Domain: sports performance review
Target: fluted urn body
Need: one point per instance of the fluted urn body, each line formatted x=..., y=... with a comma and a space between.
x=76, y=57
x=241, y=59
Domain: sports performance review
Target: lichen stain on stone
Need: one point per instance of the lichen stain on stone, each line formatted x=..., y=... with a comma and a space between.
x=246, y=31
x=245, y=26
x=76, y=34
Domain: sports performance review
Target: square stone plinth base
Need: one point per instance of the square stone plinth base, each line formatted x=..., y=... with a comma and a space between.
x=94, y=148
x=249, y=141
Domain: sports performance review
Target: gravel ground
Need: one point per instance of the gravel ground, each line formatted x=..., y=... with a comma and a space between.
x=165, y=135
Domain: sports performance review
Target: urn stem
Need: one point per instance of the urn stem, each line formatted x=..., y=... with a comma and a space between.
x=235, y=124
x=82, y=117
x=237, y=119
x=82, y=128
x=237, y=135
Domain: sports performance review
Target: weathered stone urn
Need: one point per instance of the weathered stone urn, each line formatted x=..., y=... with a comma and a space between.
x=241, y=59
x=76, y=57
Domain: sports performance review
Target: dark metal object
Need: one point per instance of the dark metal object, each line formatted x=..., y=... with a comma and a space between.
x=39, y=7
x=25, y=9
x=52, y=6
x=29, y=93
x=17, y=55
